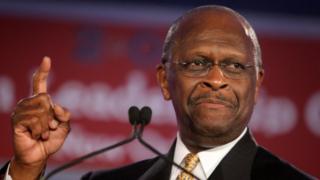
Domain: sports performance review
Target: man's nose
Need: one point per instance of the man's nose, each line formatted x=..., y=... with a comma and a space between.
x=214, y=79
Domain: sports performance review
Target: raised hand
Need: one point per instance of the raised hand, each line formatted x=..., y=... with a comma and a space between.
x=39, y=128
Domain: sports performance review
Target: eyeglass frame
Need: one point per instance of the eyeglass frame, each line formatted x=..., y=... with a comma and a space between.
x=210, y=64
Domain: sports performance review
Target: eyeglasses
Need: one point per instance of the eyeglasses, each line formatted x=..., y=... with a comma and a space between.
x=201, y=67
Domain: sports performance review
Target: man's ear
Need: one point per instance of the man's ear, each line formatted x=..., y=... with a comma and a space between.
x=260, y=77
x=163, y=81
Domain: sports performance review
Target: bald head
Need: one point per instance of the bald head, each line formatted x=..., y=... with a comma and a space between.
x=208, y=19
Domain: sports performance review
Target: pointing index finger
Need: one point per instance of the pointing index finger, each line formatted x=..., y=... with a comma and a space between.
x=39, y=81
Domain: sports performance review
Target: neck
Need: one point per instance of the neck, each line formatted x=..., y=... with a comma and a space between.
x=196, y=143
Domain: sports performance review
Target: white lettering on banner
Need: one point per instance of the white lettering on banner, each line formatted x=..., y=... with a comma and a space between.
x=80, y=142
x=7, y=97
x=100, y=102
x=273, y=115
x=312, y=113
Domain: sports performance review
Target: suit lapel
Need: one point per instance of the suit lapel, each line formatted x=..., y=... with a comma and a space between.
x=238, y=162
x=161, y=169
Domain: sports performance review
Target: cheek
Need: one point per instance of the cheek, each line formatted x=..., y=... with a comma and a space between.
x=246, y=96
x=181, y=89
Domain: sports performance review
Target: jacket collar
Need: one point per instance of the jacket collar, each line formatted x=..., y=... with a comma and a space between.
x=238, y=162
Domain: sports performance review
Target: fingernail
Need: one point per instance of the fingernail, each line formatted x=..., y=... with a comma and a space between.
x=37, y=136
x=57, y=108
x=45, y=135
x=54, y=124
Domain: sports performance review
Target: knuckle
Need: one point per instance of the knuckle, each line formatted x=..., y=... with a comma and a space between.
x=36, y=135
x=24, y=102
x=34, y=120
x=43, y=96
x=42, y=110
x=44, y=100
x=66, y=126
x=66, y=111
x=21, y=101
x=68, y=114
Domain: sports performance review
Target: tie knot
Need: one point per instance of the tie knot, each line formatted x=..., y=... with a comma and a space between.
x=190, y=161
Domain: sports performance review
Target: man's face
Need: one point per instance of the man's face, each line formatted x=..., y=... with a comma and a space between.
x=214, y=105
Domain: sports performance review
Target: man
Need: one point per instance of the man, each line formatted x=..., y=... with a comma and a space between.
x=211, y=70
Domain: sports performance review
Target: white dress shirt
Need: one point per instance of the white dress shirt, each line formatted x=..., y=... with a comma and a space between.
x=209, y=159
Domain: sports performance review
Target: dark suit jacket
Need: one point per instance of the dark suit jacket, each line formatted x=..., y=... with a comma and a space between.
x=245, y=161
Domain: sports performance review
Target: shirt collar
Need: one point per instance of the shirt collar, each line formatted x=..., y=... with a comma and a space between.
x=210, y=158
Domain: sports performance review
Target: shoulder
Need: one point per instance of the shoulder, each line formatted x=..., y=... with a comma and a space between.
x=268, y=166
x=132, y=171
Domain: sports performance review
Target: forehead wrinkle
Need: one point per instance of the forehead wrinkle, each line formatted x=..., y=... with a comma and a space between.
x=210, y=41
x=220, y=53
x=214, y=37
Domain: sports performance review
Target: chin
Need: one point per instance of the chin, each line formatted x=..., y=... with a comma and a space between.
x=212, y=128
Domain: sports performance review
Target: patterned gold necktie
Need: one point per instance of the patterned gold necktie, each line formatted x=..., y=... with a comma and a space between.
x=190, y=162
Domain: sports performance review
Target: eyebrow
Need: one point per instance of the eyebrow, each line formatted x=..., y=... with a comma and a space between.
x=227, y=53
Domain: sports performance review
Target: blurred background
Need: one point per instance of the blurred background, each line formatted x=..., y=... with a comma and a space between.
x=104, y=55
